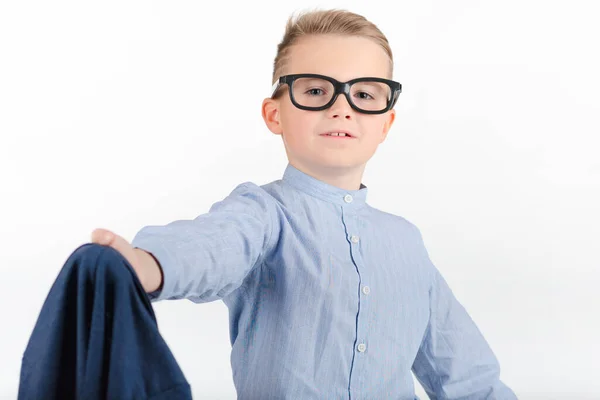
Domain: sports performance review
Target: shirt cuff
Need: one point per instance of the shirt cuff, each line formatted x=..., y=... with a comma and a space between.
x=165, y=262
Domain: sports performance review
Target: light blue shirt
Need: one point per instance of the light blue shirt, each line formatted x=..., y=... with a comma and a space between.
x=328, y=297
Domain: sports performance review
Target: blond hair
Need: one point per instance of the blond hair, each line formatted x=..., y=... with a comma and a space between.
x=321, y=22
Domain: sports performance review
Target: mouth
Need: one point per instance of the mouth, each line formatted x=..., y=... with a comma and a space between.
x=339, y=135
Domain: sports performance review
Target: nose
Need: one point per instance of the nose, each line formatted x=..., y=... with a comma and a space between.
x=340, y=108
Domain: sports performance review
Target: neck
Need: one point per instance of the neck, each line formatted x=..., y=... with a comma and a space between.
x=343, y=177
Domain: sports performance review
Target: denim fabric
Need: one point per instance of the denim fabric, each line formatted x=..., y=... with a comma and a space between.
x=97, y=337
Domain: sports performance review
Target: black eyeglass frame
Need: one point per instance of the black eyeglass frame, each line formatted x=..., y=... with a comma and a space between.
x=339, y=88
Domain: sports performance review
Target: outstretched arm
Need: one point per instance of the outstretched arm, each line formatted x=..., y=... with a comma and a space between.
x=207, y=258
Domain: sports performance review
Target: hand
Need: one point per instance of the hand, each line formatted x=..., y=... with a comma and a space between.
x=144, y=265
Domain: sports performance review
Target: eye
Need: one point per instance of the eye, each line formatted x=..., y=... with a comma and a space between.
x=364, y=96
x=315, y=92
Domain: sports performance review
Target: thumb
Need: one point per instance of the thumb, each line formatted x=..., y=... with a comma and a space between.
x=102, y=236
x=107, y=238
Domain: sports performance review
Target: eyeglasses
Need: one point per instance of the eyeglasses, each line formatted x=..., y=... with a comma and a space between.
x=314, y=92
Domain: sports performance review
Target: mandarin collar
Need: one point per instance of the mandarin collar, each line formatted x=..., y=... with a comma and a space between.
x=324, y=191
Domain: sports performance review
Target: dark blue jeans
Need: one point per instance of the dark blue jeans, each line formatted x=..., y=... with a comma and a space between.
x=97, y=337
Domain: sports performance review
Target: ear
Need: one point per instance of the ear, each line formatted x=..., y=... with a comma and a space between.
x=270, y=114
x=389, y=120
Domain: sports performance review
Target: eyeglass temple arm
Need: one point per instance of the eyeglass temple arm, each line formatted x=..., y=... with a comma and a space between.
x=274, y=87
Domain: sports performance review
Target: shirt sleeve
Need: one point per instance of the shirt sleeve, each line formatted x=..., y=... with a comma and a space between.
x=454, y=360
x=207, y=258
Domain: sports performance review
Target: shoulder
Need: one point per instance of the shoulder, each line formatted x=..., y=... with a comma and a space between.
x=246, y=196
x=397, y=223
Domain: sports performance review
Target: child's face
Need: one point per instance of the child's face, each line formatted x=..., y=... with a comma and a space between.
x=342, y=58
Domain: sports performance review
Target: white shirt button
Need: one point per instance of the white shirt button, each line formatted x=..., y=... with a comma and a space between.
x=362, y=347
x=348, y=198
x=366, y=290
x=354, y=239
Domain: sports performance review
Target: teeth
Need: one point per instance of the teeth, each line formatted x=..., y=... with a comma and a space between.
x=337, y=134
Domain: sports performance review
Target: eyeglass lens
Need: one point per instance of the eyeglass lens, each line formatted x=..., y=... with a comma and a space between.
x=366, y=95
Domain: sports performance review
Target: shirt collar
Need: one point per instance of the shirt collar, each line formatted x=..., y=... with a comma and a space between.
x=324, y=191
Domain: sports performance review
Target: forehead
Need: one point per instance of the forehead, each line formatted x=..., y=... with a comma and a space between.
x=341, y=57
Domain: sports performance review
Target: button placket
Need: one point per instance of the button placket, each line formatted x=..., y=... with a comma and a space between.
x=352, y=223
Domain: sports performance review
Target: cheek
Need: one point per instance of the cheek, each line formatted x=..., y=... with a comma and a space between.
x=372, y=128
x=296, y=122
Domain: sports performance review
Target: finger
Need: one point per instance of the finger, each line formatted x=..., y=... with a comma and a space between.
x=122, y=246
x=107, y=238
x=102, y=236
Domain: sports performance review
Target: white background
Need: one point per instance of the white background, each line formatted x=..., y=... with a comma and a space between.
x=123, y=114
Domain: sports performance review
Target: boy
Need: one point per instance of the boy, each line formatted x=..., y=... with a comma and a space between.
x=328, y=297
